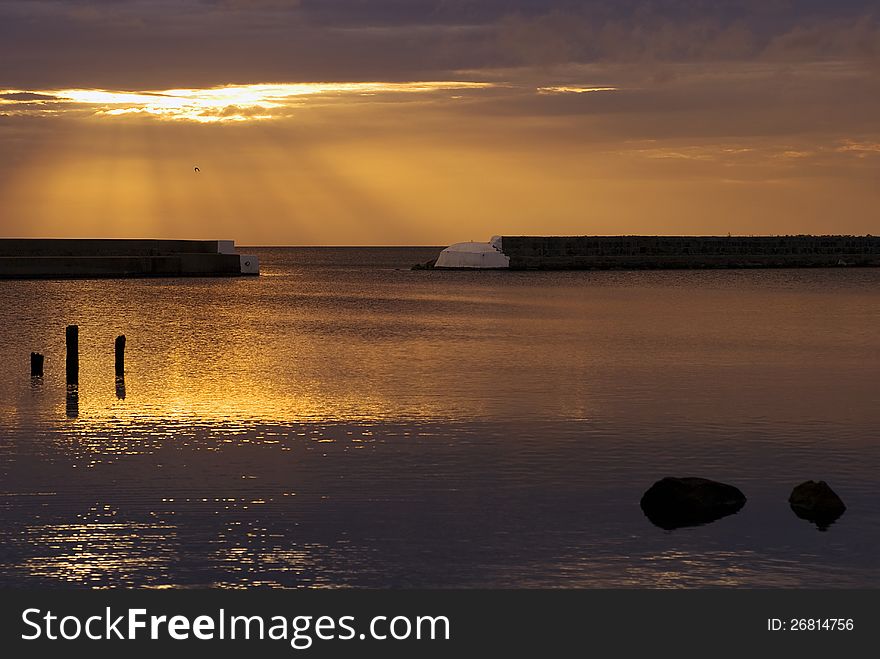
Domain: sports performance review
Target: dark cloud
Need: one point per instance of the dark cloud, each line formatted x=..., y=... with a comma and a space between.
x=26, y=96
x=160, y=43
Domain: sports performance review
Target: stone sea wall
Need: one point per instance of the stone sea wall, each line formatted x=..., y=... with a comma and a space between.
x=657, y=252
x=75, y=258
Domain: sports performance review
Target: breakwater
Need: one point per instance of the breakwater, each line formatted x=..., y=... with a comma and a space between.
x=659, y=252
x=38, y=258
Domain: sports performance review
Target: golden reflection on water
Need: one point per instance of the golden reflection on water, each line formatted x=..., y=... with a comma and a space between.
x=244, y=563
x=228, y=398
x=100, y=553
x=104, y=551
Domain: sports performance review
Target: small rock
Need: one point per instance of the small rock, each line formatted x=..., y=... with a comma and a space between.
x=671, y=503
x=817, y=503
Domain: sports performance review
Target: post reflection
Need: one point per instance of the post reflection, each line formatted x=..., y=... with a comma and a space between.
x=72, y=403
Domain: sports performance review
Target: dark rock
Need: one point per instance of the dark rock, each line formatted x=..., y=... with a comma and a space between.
x=817, y=503
x=674, y=502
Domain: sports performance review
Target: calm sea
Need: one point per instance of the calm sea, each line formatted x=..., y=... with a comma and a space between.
x=343, y=421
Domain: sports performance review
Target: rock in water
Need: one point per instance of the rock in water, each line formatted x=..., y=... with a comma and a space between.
x=674, y=502
x=816, y=502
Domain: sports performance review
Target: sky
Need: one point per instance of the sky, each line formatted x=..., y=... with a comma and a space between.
x=398, y=122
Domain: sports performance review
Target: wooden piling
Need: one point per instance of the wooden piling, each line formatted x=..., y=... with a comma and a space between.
x=36, y=365
x=120, y=356
x=72, y=342
x=120, y=367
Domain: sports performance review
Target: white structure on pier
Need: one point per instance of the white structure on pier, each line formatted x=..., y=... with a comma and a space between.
x=479, y=256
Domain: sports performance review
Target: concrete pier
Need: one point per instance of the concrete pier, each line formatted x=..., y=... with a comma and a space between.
x=24, y=258
x=660, y=252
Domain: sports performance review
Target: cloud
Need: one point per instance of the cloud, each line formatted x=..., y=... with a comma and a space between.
x=860, y=149
x=228, y=103
x=25, y=96
x=256, y=5
x=569, y=89
x=581, y=72
x=143, y=44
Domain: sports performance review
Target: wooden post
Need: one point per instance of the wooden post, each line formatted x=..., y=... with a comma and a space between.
x=120, y=367
x=120, y=356
x=72, y=341
x=36, y=365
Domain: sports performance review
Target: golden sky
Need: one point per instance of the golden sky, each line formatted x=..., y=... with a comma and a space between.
x=390, y=123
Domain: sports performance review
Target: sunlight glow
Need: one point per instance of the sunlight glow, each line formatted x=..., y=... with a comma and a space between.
x=215, y=104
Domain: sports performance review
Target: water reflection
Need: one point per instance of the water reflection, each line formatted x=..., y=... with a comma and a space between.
x=72, y=401
x=671, y=521
x=108, y=553
x=822, y=520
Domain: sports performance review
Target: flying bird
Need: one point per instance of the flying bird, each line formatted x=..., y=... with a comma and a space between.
x=196, y=169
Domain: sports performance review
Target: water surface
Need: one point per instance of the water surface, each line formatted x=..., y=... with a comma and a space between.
x=343, y=421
